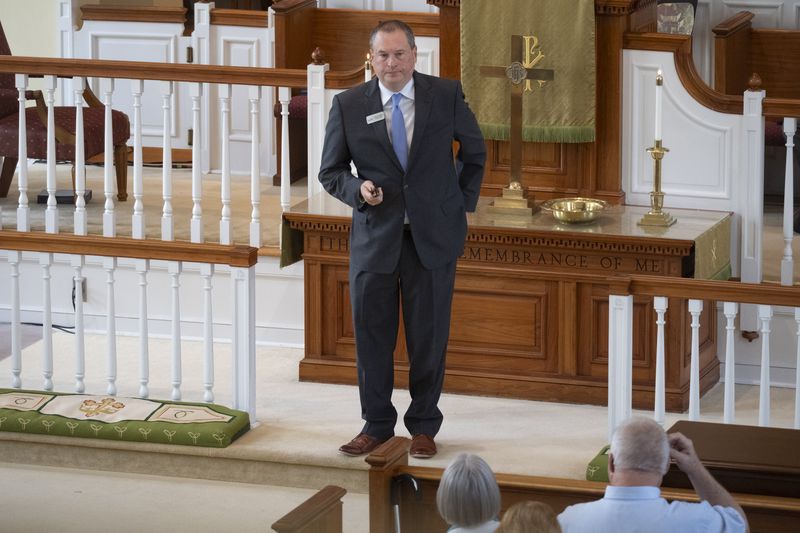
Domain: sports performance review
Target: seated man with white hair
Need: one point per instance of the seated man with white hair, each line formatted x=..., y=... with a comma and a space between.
x=637, y=462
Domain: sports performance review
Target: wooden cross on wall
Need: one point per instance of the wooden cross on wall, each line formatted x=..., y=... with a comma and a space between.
x=524, y=55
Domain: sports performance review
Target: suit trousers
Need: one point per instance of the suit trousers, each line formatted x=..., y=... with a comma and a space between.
x=426, y=297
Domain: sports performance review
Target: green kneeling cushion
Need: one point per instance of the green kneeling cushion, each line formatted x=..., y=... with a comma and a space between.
x=117, y=418
x=597, y=469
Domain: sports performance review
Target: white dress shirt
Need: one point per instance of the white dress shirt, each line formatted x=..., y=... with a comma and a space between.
x=635, y=509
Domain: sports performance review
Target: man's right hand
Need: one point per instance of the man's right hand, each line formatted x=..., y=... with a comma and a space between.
x=370, y=193
x=681, y=450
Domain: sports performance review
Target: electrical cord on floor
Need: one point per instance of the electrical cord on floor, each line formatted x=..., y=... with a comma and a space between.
x=65, y=329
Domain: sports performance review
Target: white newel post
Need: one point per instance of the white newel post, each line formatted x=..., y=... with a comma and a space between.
x=750, y=196
x=317, y=118
x=620, y=359
x=244, y=344
x=23, y=210
x=787, y=263
x=660, y=304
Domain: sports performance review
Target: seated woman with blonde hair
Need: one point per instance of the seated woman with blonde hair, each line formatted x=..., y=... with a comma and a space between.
x=468, y=497
x=529, y=517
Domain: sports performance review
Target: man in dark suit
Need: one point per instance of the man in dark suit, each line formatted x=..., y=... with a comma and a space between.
x=409, y=201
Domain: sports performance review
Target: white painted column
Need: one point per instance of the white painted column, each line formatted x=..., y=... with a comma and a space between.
x=787, y=264
x=23, y=210
x=695, y=309
x=14, y=258
x=110, y=266
x=730, y=309
x=167, y=224
x=79, y=218
x=175, y=268
x=46, y=261
x=255, y=168
x=142, y=268
x=620, y=359
x=80, y=343
x=317, y=118
x=109, y=183
x=225, y=236
x=196, y=225
x=660, y=304
x=244, y=345
x=284, y=95
x=765, y=315
x=207, y=273
x=137, y=219
x=51, y=212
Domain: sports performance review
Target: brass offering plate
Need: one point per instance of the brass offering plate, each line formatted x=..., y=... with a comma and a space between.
x=575, y=210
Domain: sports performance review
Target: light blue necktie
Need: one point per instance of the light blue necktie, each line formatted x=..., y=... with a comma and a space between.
x=399, y=140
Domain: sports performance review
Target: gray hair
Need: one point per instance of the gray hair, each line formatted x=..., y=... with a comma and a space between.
x=468, y=494
x=389, y=26
x=639, y=443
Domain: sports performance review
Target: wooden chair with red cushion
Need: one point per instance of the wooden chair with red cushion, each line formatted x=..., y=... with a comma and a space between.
x=36, y=125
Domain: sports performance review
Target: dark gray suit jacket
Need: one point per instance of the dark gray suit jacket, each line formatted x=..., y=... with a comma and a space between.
x=435, y=191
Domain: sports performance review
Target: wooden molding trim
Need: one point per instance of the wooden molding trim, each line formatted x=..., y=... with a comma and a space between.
x=422, y=24
x=739, y=21
x=283, y=7
x=239, y=17
x=620, y=7
x=134, y=14
x=681, y=47
x=444, y=3
x=304, y=515
x=218, y=254
x=97, y=68
x=780, y=107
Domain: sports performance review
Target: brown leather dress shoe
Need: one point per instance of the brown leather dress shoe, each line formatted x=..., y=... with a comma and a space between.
x=361, y=444
x=422, y=447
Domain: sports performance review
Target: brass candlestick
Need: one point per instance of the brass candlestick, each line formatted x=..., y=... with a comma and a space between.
x=657, y=217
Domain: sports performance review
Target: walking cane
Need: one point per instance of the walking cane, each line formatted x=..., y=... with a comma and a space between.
x=397, y=482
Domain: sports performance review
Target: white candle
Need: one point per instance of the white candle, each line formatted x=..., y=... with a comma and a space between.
x=367, y=69
x=659, y=83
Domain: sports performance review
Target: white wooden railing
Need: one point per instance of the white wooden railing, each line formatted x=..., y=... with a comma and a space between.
x=23, y=251
x=694, y=292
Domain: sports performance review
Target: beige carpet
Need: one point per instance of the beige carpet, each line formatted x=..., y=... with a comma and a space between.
x=153, y=203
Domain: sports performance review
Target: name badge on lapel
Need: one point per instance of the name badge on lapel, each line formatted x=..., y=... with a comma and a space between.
x=375, y=117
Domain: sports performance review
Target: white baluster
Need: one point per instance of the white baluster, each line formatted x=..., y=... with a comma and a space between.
x=660, y=304
x=110, y=266
x=765, y=316
x=207, y=272
x=174, y=268
x=225, y=121
x=197, y=165
x=620, y=359
x=80, y=344
x=137, y=219
x=731, y=309
x=109, y=184
x=23, y=210
x=46, y=261
x=142, y=267
x=16, y=350
x=167, y=226
x=255, y=167
x=51, y=213
x=797, y=371
x=284, y=95
x=695, y=309
x=244, y=334
x=787, y=265
x=80, y=164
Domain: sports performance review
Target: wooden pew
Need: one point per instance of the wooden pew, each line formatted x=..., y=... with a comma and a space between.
x=765, y=513
x=321, y=513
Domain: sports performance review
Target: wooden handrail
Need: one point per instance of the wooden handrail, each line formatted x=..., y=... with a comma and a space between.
x=239, y=17
x=324, y=505
x=134, y=14
x=780, y=107
x=738, y=22
x=732, y=291
x=218, y=254
x=681, y=47
x=140, y=70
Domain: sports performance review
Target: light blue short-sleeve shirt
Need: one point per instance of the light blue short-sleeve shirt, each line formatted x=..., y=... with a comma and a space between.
x=642, y=509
